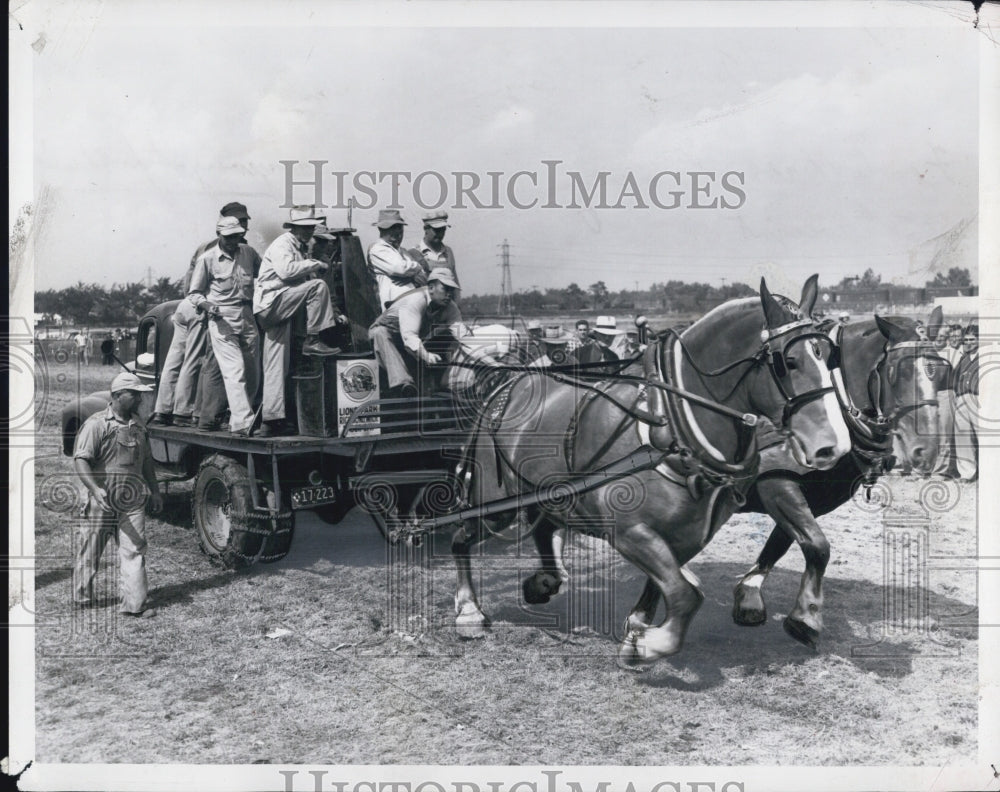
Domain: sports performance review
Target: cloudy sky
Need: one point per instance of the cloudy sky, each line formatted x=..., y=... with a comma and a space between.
x=855, y=144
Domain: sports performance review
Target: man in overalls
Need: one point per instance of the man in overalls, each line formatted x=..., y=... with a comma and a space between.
x=113, y=460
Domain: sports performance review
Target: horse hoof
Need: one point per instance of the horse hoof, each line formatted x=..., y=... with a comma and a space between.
x=749, y=617
x=540, y=587
x=801, y=632
x=628, y=658
x=470, y=629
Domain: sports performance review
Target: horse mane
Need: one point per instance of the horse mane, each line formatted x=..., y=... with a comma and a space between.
x=732, y=327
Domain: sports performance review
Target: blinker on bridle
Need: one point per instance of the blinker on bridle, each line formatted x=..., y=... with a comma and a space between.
x=778, y=365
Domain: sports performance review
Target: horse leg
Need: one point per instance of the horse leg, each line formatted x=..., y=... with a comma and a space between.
x=642, y=613
x=470, y=621
x=549, y=540
x=748, y=600
x=648, y=551
x=784, y=501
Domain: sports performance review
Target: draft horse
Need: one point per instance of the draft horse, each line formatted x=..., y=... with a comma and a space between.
x=887, y=386
x=654, y=463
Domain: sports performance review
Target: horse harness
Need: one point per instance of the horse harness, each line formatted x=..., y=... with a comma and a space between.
x=687, y=457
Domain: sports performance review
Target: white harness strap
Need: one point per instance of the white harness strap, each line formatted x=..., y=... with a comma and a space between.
x=688, y=412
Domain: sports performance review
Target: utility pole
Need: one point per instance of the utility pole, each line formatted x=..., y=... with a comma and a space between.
x=149, y=277
x=505, y=306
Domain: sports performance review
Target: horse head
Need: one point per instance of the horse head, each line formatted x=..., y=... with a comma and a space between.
x=775, y=365
x=800, y=359
x=903, y=388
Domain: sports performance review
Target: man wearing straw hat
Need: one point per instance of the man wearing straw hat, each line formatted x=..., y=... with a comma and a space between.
x=400, y=335
x=112, y=459
x=222, y=286
x=395, y=271
x=287, y=282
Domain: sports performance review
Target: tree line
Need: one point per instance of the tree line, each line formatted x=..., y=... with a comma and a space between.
x=124, y=304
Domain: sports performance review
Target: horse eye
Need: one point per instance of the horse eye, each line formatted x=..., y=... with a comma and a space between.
x=815, y=350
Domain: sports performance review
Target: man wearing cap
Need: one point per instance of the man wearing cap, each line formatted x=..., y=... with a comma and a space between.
x=222, y=286
x=432, y=251
x=401, y=333
x=533, y=346
x=113, y=461
x=190, y=382
x=967, y=407
x=555, y=344
x=395, y=271
x=287, y=282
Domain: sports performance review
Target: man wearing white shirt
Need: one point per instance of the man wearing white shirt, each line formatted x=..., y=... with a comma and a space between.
x=951, y=351
x=396, y=271
x=287, y=282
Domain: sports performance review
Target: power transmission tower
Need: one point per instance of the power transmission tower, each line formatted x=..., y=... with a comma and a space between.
x=505, y=305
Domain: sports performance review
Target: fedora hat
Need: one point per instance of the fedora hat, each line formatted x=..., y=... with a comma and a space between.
x=606, y=325
x=443, y=275
x=554, y=334
x=436, y=220
x=303, y=216
x=387, y=218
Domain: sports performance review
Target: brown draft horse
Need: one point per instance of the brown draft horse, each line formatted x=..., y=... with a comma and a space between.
x=543, y=432
x=888, y=388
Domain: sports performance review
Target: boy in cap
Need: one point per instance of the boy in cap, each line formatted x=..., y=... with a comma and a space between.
x=400, y=335
x=395, y=271
x=113, y=461
x=432, y=251
x=222, y=286
x=287, y=282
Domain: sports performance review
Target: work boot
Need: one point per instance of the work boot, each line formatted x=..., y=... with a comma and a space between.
x=279, y=428
x=161, y=419
x=183, y=420
x=313, y=346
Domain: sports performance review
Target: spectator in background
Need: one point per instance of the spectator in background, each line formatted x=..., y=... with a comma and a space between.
x=614, y=343
x=844, y=317
x=950, y=352
x=581, y=335
x=82, y=341
x=967, y=407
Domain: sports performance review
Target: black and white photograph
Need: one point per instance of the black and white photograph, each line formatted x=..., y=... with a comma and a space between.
x=503, y=396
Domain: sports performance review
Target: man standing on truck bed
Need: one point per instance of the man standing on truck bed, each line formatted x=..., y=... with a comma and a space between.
x=191, y=385
x=222, y=286
x=401, y=335
x=395, y=271
x=432, y=251
x=287, y=282
x=112, y=459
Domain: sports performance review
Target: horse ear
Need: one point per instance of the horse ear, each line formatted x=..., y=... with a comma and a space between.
x=810, y=291
x=891, y=330
x=934, y=322
x=774, y=313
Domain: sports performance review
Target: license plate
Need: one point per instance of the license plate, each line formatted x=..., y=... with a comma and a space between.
x=306, y=497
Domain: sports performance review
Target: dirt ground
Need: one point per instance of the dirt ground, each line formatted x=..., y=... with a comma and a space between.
x=345, y=651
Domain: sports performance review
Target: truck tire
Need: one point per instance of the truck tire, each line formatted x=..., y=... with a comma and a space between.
x=277, y=545
x=222, y=504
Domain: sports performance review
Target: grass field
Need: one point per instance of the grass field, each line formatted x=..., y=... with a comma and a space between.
x=342, y=653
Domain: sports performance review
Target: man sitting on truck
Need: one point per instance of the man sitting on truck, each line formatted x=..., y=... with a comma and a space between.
x=222, y=286
x=395, y=270
x=402, y=334
x=287, y=282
